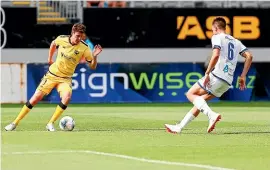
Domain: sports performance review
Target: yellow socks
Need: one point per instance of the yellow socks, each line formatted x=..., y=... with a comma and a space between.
x=58, y=111
x=26, y=108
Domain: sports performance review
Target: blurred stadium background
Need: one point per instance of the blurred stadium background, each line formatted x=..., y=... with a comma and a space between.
x=154, y=51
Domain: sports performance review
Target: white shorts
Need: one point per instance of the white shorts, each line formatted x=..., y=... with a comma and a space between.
x=216, y=86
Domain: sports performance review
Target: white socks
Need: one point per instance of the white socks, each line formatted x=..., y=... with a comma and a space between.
x=188, y=118
x=201, y=104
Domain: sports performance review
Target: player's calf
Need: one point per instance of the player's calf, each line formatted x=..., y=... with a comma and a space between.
x=58, y=112
x=65, y=98
x=65, y=92
x=36, y=97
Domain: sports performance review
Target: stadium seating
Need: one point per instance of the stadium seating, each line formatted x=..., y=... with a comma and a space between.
x=199, y=4
x=70, y=11
x=48, y=11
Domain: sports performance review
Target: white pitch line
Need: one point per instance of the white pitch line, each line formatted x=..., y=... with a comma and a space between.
x=123, y=157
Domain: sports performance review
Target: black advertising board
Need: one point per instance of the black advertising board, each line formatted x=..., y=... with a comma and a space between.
x=163, y=27
x=17, y=26
x=139, y=28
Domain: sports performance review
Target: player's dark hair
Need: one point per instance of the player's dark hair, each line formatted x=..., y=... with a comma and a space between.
x=220, y=23
x=78, y=28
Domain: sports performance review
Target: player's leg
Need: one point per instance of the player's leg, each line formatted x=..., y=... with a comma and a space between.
x=194, y=95
x=26, y=109
x=198, y=95
x=194, y=112
x=200, y=103
x=38, y=95
x=65, y=92
x=216, y=87
x=44, y=88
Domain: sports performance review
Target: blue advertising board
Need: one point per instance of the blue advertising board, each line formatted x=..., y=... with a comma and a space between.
x=113, y=83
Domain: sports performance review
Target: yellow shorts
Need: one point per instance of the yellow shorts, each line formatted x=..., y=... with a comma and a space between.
x=49, y=81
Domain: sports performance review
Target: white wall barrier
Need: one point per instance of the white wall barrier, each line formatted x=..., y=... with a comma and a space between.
x=138, y=55
x=13, y=83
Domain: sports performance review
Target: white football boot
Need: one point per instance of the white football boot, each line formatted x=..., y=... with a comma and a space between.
x=212, y=122
x=172, y=128
x=50, y=127
x=10, y=127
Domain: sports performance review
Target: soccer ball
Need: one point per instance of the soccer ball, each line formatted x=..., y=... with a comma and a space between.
x=67, y=123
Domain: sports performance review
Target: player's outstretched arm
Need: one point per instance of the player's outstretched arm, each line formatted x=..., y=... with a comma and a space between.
x=97, y=50
x=91, y=58
x=248, y=60
x=51, y=52
x=93, y=63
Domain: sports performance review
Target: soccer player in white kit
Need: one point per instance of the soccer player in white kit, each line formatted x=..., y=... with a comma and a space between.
x=218, y=76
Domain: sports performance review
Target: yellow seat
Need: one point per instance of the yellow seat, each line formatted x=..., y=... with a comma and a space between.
x=42, y=3
x=51, y=19
x=21, y=2
x=45, y=8
x=54, y=14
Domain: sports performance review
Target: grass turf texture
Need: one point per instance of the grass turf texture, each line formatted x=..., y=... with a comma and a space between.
x=241, y=140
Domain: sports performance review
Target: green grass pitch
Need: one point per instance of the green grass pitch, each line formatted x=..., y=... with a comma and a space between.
x=117, y=136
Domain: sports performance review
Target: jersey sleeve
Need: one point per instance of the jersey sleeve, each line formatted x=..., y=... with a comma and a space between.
x=243, y=48
x=88, y=55
x=58, y=40
x=216, y=42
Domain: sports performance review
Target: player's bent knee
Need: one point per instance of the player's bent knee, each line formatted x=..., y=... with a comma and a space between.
x=189, y=97
x=66, y=97
x=189, y=94
x=36, y=97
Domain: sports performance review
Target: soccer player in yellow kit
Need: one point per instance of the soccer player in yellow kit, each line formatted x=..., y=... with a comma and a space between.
x=70, y=51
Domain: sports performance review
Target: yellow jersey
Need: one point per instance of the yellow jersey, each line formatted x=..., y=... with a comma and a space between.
x=68, y=56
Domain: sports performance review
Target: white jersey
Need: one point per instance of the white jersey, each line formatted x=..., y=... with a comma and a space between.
x=230, y=48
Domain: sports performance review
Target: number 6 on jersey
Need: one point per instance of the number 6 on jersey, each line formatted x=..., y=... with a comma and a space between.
x=230, y=51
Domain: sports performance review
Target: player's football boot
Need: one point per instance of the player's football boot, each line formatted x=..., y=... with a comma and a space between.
x=172, y=128
x=212, y=122
x=50, y=127
x=10, y=127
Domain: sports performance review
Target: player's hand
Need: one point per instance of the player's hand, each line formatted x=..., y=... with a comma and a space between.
x=206, y=80
x=242, y=83
x=97, y=50
x=50, y=61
